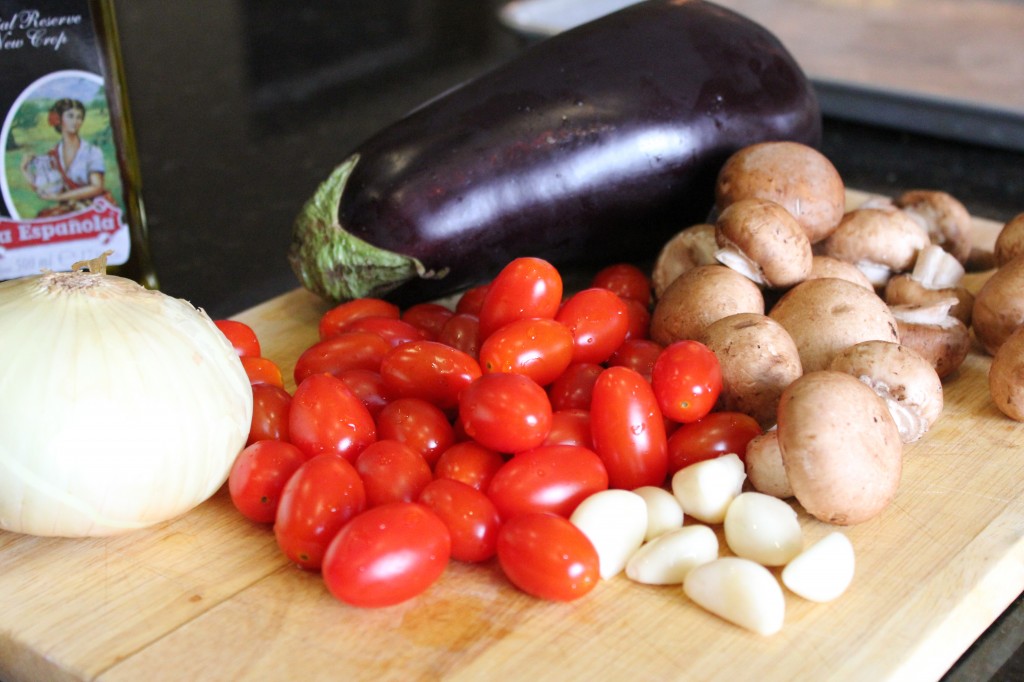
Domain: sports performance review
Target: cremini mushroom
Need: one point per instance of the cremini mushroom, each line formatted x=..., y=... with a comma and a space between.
x=934, y=333
x=684, y=251
x=999, y=305
x=1010, y=241
x=824, y=316
x=827, y=266
x=907, y=382
x=946, y=220
x=936, y=277
x=762, y=240
x=758, y=359
x=797, y=176
x=879, y=241
x=841, y=449
x=765, y=469
x=1006, y=376
x=699, y=297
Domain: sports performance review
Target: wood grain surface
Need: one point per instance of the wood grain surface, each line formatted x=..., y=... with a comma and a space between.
x=209, y=597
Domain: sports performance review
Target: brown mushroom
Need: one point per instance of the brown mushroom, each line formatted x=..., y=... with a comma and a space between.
x=907, y=382
x=1006, y=376
x=765, y=468
x=700, y=296
x=1009, y=241
x=878, y=241
x=840, y=447
x=760, y=239
x=930, y=330
x=824, y=316
x=827, y=266
x=999, y=305
x=946, y=220
x=797, y=176
x=684, y=251
x=758, y=359
x=935, y=278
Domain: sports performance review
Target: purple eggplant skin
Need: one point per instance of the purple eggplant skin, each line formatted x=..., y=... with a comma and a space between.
x=591, y=147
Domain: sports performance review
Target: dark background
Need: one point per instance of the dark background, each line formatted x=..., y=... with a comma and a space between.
x=242, y=107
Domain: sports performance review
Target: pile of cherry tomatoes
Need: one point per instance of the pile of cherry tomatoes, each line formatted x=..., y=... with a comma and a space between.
x=419, y=436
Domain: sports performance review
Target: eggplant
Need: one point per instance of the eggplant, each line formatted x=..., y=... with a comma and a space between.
x=590, y=147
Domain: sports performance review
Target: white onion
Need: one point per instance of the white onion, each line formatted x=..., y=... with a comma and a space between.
x=120, y=407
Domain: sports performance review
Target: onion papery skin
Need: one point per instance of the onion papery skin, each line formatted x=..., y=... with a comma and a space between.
x=120, y=407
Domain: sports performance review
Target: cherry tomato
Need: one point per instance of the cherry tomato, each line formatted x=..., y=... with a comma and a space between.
x=416, y=423
x=637, y=354
x=369, y=387
x=470, y=516
x=270, y=405
x=538, y=348
x=526, y=287
x=505, y=412
x=718, y=433
x=258, y=477
x=628, y=429
x=337, y=317
x=428, y=318
x=472, y=300
x=429, y=370
x=639, y=319
x=241, y=336
x=262, y=371
x=392, y=472
x=546, y=556
x=462, y=331
x=598, y=320
x=470, y=463
x=394, y=331
x=550, y=478
x=575, y=387
x=323, y=495
x=687, y=380
x=570, y=427
x=387, y=555
x=626, y=280
x=327, y=417
x=341, y=352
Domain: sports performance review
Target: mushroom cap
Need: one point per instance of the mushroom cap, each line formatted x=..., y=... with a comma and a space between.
x=906, y=381
x=1010, y=241
x=797, y=176
x=684, y=251
x=999, y=305
x=827, y=266
x=946, y=220
x=699, y=297
x=944, y=345
x=905, y=290
x=767, y=240
x=840, y=447
x=826, y=315
x=878, y=241
x=765, y=469
x=757, y=358
x=1006, y=376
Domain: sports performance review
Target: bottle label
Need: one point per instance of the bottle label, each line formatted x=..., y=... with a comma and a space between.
x=60, y=180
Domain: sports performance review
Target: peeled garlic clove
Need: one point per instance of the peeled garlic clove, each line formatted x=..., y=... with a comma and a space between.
x=740, y=591
x=823, y=571
x=615, y=522
x=667, y=559
x=763, y=528
x=705, y=489
x=663, y=511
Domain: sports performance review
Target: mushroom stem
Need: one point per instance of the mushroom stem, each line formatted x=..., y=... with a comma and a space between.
x=936, y=268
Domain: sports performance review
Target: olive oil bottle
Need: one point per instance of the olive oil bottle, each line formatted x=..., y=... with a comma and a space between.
x=70, y=180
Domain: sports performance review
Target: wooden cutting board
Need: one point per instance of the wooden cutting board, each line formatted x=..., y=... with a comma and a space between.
x=208, y=596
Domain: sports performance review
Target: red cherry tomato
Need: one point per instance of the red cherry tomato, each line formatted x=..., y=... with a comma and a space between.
x=241, y=336
x=546, y=556
x=419, y=424
x=429, y=370
x=626, y=280
x=369, y=387
x=258, y=477
x=394, y=331
x=505, y=412
x=325, y=416
x=639, y=319
x=687, y=380
x=462, y=332
x=472, y=300
x=538, y=348
x=323, y=495
x=470, y=463
x=270, y=405
x=717, y=434
x=526, y=287
x=575, y=387
x=470, y=516
x=392, y=472
x=341, y=352
x=637, y=354
x=387, y=555
x=337, y=317
x=262, y=371
x=550, y=478
x=598, y=320
x=628, y=429
x=428, y=318
x=570, y=427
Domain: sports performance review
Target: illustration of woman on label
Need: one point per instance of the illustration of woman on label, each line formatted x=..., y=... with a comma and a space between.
x=72, y=173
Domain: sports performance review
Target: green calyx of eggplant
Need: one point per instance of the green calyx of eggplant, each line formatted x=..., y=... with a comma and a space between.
x=333, y=262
